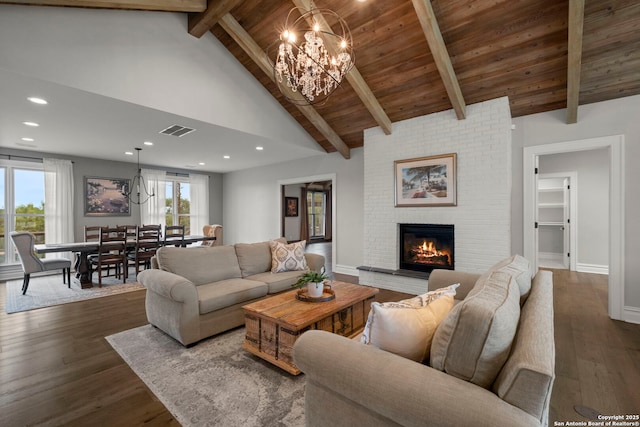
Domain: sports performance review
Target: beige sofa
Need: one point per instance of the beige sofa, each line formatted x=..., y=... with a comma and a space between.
x=350, y=383
x=194, y=293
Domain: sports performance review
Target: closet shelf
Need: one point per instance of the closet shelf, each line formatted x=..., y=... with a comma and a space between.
x=551, y=205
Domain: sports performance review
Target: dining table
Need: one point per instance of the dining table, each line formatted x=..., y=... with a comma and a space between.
x=84, y=249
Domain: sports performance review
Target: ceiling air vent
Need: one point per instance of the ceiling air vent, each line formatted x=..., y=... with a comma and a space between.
x=176, y=130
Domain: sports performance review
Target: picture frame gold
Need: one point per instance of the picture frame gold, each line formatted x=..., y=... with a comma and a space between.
x=426, y=181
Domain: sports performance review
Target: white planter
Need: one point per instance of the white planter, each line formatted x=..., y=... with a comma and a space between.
x=315, y=289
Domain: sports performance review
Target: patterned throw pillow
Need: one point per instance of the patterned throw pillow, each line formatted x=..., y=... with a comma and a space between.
x=288, y=257
x=406, y=328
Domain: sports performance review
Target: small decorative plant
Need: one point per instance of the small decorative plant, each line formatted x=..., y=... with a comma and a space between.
x=311, y=277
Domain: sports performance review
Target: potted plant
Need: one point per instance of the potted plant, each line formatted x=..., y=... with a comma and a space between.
x=314, y=281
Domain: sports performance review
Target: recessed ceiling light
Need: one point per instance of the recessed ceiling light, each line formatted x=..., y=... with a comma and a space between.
x=32, y=124
x=202, y=163
x=148, y=143
x=227, y=157
x=128, y=153
x=38, y=100
x=259, y=148
x=28, y=139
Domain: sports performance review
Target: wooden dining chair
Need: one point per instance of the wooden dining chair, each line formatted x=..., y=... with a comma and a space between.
x=112, y=247
x=147, y=243
x=25, y=243
x=173, y=235
x=130, y=230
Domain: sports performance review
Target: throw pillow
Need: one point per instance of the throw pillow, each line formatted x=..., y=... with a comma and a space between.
x=406, y=327
x=426, y=298
x=520, y=269
x=473, y=341
x=288, y=257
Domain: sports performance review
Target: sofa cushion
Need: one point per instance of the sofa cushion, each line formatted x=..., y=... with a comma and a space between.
x=520, y=269
x=277, y=282
x=255, y=258
x=224, y=293
x=200, y=264
x=288, y=257
x=473, y=341
x=406, y=327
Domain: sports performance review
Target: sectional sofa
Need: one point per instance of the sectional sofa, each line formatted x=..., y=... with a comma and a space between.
x=491, y=362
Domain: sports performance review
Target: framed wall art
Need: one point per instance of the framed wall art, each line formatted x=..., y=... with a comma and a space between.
x=426, y=181
x=290, y=206
x=106, y=196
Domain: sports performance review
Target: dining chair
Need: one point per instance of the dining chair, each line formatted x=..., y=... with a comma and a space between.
x=147, y=243
x=214, y=230
x=173, y=235
x=24, y=242
x=112, y=247
x=130, y=230
x=92, y=234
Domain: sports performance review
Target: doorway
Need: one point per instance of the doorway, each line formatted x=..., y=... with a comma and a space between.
x=616, y=240
x=557, y=219
x=321, y=222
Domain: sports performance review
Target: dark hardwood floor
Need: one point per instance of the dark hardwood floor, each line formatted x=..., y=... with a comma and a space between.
x=56, y=368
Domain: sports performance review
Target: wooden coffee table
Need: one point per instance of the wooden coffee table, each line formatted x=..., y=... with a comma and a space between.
x=273, y=324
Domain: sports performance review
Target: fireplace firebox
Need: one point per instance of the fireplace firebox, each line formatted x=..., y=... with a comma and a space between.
x=425, y=247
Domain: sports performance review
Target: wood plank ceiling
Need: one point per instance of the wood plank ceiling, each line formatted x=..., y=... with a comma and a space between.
x=418, y=57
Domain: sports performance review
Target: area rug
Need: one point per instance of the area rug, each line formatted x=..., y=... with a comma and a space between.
x=45, y=291
x=215, y=382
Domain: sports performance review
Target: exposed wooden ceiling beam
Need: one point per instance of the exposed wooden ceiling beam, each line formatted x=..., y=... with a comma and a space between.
x=246, y=42
x=200, y=23
x=431, y=30
x=353, y=77
x=159, y=5
x=576, y=24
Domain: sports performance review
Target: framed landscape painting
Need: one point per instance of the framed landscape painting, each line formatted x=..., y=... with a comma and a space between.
x=106, y=196
x=426, y=181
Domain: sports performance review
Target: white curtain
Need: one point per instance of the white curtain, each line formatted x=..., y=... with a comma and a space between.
x=153, y=211
x=199, y=207
x=58, y=206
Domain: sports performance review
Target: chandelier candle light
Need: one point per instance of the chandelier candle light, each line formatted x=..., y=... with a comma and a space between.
x=315, y=65
x=138, y=184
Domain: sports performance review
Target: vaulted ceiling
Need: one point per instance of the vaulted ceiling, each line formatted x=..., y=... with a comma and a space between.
x=418, y=57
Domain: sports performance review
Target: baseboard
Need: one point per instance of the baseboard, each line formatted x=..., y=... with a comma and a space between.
x=347, y=269
x=592, y=268
x=550, y=256
x=631, y=314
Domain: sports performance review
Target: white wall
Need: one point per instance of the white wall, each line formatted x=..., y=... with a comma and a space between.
x=615, y=117
x=292, y=223
x=482, y=216
x=592, y=168
x=252, y=203
x=146, y=58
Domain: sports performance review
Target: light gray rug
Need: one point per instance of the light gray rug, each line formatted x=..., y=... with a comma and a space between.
x=45, y=291
x=215, y=382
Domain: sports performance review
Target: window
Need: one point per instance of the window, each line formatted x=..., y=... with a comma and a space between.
x=178, y=204
x=21, y=203
x=316, y=202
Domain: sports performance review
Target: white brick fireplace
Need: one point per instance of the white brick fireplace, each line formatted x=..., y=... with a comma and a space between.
x=482, y=217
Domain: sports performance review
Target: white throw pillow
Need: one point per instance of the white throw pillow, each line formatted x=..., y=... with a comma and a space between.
x=406, y=328
x=288, y=257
